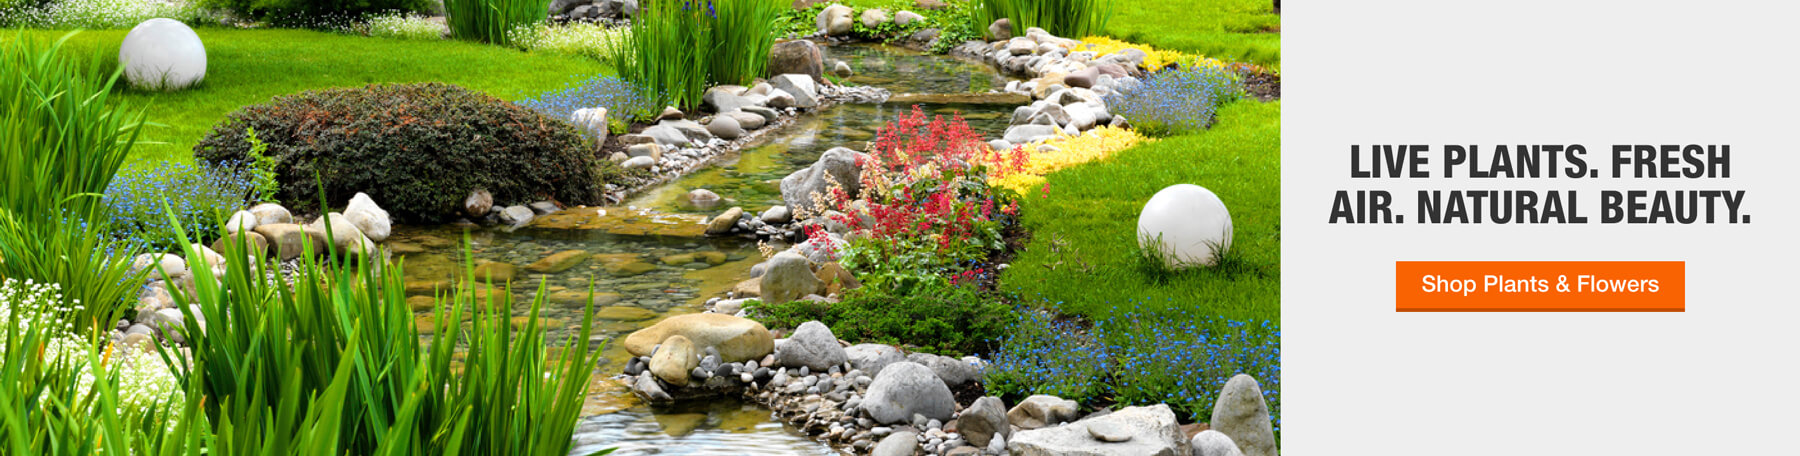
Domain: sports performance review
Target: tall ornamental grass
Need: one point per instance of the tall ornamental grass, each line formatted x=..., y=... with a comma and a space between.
x=492, y=21
x=62, y=140
x=678, y=48
x=1063, y=18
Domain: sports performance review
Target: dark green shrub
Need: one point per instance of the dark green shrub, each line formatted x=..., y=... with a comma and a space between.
x=947, y=320
x=419, y=149
x=316, y=13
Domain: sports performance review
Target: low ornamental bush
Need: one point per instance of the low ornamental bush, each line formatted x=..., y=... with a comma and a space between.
x=419, y=149
x=926, y=204
x=1177, y=101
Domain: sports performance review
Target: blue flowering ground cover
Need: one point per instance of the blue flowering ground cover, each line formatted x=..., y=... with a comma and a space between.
x=620, y=98
x=201, y=197
x=1136, y=357
x=1178, y=101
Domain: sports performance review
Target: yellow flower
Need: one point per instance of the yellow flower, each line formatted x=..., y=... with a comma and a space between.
x=1066, y=151
x=1155, y=58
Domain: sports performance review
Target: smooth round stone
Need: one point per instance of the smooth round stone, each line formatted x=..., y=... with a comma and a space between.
x=163, y=54
x=1108, y=431
x=1190, y=222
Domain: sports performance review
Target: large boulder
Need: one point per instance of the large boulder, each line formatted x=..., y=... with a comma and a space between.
x=1132, y=431
x=737, y=339
x=788, y=277
x=834, y=20
x=674, y=360
x=797, y=57
x=725, y=99
x=1214, y=443
x=874, y=17
x=802, y=88
x=842, y=165
x=163, y=54
x=904, y=389
x=239, y=222
x=1242, y=414
x=1000, y=30
x=592, y=122
x=342, y=234
x=905, y=18
x=983, y=420
x=812, y=346
x=952, y=371
x=871, y=358
x=368, y=217
x=271, y=213
x=288, y=239
x=1042, y=410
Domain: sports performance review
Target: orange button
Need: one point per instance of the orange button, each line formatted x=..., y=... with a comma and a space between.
x=1540, y=286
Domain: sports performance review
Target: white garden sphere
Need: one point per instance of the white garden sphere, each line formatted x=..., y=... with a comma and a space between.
x=163, y=54
x=1191, y=222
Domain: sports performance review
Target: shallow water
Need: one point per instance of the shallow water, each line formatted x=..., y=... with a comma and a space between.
x=640, y=263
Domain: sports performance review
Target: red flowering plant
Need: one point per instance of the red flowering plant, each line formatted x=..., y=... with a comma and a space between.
x=925, y=208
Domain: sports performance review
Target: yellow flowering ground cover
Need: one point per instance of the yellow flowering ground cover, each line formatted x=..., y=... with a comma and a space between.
x=1067, y=151
x=1156, y=59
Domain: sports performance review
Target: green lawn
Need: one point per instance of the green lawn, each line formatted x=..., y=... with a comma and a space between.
x=1232, y=30
x=1091, y=212
x=246, y=67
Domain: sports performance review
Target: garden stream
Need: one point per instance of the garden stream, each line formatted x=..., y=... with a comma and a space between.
x=649, y=261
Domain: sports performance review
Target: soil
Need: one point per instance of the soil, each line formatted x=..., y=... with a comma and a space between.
x=1263, y=85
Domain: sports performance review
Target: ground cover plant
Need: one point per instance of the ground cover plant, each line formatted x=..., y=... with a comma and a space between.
x=1176, y=101
x=675, y=50
x=941, y=318
x=621, y=100
x=585, y=39
x=199, y=195
x=247, y=67
x=418, y=148
x=403, y=26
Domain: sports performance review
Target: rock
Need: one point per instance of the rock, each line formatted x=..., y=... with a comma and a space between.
x=1020, y=46
x=240, y=221
x=797, y=57
x=673, y=360
x=670, y=113
x=543, y=208
x=652, y=150
x=163, y=54
x=833, y=278
x=345, y=236
x=1188, y=225
x=834, y=20
x=952, y=371
x=255, y=242
x=725, y=127
x=777, y=215
x=822, y=250
x=1042, y=410
x=800, y=86
x=842, y=69
x=1214, y=443
x=496, y=272
x=517, y=215
x=646, y=387
x=813, y=346
x=592, y=122
x=1000, y=30
x=874, y=17
x=271, y=213
x=559, y=262
x=724, y=99
x=667, y=136
x=788, y=277
x=983, y=420
x=841, y=164
x=903, y=443
x=781, y=99
x=702, y=198
x=1241, y=414
x=1081, y=116
x=737, y=339
x=768, y=115
x=564, y=6
x=208, y=257
x=1000, y=144
x=287, y=239
x=368, y=218
x=478, y=204
x=638, y=163
x=871, y=358
x=747, y=121
x=1023, y=134
x=905, y=18
x=904, y=389
x=724, y=223
x=1132, y=431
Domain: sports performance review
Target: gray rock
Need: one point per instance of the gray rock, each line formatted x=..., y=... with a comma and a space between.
x=725, y=127
x=769, y=116
x=724, y=99
x=870, y=358
x=674, y=361
x=1000, y=30
x=834, y=20
x=800, y=86
x=952, y=371
x=565, y=6
x=904, y=443
x=777, y=215
x=478, y=203
x=781, y=99
x=841, y=164
x=1149, y=431
x=788, y=277
x=905, y=389
x=645, y=387
x=812, y=346
x=271, y=213
x=517, y=215
x=1214, y=443
x=1242, y=414
x=747, y=120
x=544, y=207
x=1042, y=410
x=670, y=113
x=638, y=163
x=874, y=17
x=652, y=150
x=241, y=222
x=984, y=420
x=667, y=136
x=1023, y=134
x=592, y=122
x=905, y=18
x=629, y=8
x=1000, y=144
x=797, y=57
x=723, y=224
x=842, y=69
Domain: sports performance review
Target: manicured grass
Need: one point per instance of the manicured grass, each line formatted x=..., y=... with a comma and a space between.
x=1231, y=30
x=246, y=67
x=1083, y=247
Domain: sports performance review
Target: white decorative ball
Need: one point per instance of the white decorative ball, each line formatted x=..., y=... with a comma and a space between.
x=1190, y=222
x=163, y=54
